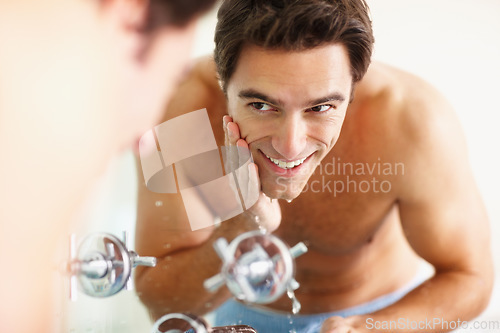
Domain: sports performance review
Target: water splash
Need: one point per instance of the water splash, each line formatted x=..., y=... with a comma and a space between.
x=296, y=306
x=262, y=229
x=290, y=321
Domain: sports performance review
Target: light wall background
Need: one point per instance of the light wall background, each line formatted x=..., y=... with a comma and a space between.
x=454, y=44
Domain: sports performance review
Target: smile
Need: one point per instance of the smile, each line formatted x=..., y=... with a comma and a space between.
x=286, y=165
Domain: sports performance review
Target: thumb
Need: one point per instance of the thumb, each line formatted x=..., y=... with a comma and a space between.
x=253, y=186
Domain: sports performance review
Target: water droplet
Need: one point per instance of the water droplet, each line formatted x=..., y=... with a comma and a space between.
x=208, y=305
x=159, y=203
x=296, y=306
x=290, y=321
x=167, y=246
x=289, y=200
x=168, y=258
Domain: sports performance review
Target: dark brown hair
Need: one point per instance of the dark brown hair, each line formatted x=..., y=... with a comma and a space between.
x=292, y=25
x=174, y=12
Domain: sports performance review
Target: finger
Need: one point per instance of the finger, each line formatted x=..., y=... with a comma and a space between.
x=233, y=133
x=253, y=185
x=242, y=143
x=244, y=158
x=225, y=120
x=334, y=325
x=228, y=159
x=243, y=152
x=253, y=175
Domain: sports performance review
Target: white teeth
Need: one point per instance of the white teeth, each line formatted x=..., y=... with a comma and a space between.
x=286, y=165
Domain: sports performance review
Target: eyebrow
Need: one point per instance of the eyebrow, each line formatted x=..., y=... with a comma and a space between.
x=252, y=93
x=335, y=97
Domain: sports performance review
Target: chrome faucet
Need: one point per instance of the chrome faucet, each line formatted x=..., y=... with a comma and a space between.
x=257, y=267
x=103, y=265
x=189, y=323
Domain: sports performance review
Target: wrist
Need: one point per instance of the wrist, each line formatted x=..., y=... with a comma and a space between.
x=234, y=227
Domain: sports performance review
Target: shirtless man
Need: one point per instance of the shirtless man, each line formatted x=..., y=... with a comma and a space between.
x=394, y=188
x=80, y=82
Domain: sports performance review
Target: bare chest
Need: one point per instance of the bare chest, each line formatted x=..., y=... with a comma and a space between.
x=346, y=200
x=335, y=222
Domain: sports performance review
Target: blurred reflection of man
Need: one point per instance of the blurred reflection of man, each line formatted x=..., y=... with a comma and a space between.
x=371, y=203
x=81, y=81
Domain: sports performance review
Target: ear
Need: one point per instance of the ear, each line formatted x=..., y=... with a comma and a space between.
x=125, y=20
x=130, y=13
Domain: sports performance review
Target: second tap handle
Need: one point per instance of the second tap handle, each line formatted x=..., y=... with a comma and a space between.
x=137, y=260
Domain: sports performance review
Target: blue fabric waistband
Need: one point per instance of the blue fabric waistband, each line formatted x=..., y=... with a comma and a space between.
x=267, y=321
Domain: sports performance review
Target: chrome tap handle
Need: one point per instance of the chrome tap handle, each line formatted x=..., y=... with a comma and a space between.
x=179, y=323
x=137, y=260
x=256, y=267
x=188, y=323
x=102, y=266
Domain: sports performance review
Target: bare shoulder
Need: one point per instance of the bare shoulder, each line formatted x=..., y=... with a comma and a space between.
x=411, y=111
x=417, y=104
x=198, y=90
x=411, y=122
x=437, y=196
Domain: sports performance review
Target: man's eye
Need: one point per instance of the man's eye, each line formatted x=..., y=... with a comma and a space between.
x=321, y=108
x=261, y=106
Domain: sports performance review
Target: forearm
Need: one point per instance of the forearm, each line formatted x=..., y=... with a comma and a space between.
x=439, y=305
x=176, y=283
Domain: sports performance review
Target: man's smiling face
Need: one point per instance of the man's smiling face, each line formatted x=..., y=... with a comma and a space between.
x=290, y=107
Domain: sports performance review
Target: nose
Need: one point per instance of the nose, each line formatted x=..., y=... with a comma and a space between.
x=290, y=138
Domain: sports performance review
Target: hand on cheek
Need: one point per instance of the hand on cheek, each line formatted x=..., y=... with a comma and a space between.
x=265, y=212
